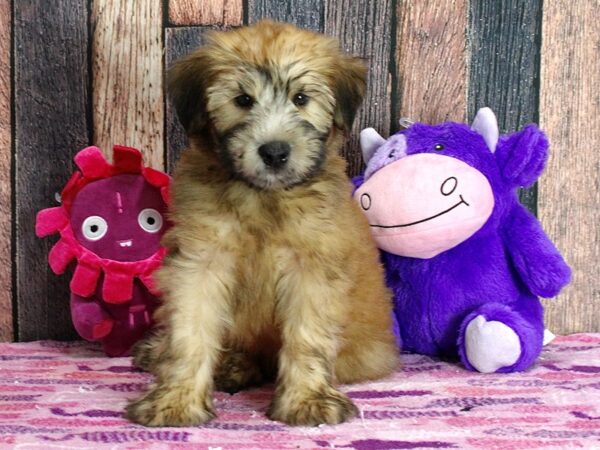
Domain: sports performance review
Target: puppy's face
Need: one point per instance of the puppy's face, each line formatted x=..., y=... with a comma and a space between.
x=269, y=96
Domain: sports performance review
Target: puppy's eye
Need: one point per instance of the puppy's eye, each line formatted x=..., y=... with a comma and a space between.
x=244, y=101
x=300, y=99
x=439, y=147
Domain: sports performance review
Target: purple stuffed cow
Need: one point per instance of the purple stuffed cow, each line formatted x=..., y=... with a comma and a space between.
x=465, y=260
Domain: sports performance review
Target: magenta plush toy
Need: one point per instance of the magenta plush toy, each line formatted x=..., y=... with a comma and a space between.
x=110, y=220
x=465, y=260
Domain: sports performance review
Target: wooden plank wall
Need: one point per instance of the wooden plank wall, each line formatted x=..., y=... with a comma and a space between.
x=431, y=61
x=128, y=106
x=505, y=65
x=179, y=42
x=569, y=197
x=51, y=111
x=352, y=23
x=92, y=71
x=6, y=323
x=205, y=12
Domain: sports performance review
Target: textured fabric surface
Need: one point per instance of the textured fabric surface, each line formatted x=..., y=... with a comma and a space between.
x=68, y=395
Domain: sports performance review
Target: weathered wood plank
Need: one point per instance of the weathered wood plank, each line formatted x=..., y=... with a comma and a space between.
x=303, y=13
x=51, y=111
x=179, y=42
x=128, y=77
x=431, y=60
x=364, y=29
x=504, y=65
x=206, y=12
x=569, y=191
x=6, y=318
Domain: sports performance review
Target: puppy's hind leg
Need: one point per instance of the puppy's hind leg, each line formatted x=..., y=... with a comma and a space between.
x=194, y=314
x=236, y=371
x=366, y=358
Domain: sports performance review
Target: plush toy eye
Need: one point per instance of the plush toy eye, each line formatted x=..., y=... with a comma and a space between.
x=300, y=99
x=244, y=101
x=94, y=228
x=439, y=147
x=150, y=220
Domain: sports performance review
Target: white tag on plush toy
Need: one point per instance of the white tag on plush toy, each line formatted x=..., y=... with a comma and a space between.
x=405, y=122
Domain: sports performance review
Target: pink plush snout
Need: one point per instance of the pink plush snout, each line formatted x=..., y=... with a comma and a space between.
x=424, y=204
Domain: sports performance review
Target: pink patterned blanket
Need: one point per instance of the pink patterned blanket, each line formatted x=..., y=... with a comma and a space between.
x=67, y=395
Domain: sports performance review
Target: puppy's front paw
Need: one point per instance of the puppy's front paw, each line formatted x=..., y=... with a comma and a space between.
x=314, y=408
x=170, y=407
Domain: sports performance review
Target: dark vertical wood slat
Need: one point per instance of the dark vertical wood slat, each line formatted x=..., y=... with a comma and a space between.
x=364, y=29
x=6, y=319
x=205, y=12
x=303, y=13
x=569, y=190
x=178, y=42
x=505, y=65
x=51, y=115
x=127, y=71
x=431, y=60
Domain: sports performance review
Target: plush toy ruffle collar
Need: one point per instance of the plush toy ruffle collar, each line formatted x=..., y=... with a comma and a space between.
x=118, y=275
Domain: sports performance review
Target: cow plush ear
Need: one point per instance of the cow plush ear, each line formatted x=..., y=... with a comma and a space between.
x=486, y=124
x=370, y=141
x=522, y=156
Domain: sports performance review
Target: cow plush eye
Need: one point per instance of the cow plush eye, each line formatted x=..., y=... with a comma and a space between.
x=439, y=147
x=94, y=228
x=150, y=220
x=244, y=101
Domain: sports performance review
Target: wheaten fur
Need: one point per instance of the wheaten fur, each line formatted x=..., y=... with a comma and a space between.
x=269, y=275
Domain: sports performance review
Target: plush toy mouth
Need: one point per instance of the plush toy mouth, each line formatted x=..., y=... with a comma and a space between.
x=462, y=201
x=126, y=243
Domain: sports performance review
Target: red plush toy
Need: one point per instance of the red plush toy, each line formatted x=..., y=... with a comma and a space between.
x=110, y=220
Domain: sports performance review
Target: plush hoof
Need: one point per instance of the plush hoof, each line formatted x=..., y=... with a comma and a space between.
x=491, y=345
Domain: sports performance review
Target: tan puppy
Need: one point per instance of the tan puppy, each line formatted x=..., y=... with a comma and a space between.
x=271, y=268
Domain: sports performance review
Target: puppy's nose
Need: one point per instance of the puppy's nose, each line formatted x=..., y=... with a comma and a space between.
x=275, y=154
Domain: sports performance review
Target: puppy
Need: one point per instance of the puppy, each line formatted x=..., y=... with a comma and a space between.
x=271, y=271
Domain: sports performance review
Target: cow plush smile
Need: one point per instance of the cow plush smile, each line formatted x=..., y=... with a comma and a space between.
x=462, y=201
x=416, y=205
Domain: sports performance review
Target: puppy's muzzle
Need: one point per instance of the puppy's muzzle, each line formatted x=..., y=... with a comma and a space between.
x=275, y=154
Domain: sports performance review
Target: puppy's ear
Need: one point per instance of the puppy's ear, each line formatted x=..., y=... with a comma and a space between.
x=349, y=89
x=186, y=86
